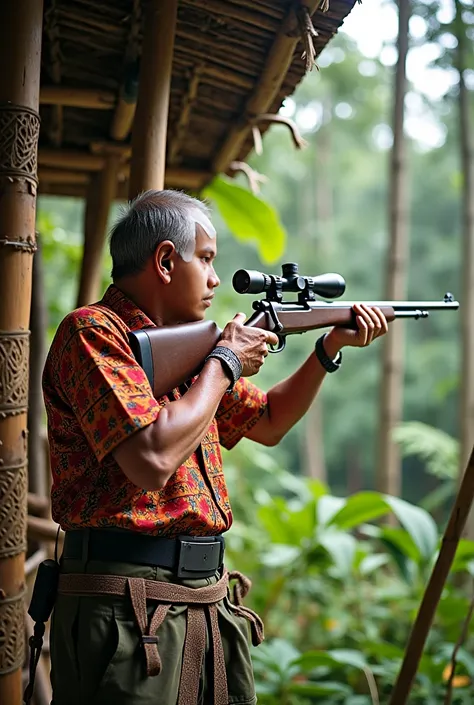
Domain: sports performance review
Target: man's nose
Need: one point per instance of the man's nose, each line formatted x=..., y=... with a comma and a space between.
x=214, y=279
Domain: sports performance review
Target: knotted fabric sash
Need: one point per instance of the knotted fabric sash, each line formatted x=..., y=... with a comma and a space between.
x=199, y=600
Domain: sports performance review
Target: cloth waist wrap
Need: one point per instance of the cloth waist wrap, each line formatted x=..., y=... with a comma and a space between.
x=198, y=600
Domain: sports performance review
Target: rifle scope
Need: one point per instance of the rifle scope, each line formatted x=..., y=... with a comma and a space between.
x=249, y=281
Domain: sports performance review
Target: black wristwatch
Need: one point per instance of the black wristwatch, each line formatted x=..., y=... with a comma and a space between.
x=230, y=363
x=328, y=364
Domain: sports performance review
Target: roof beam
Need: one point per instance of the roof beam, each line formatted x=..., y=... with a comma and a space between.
x=262, y=97
x=74, y=168
x=68, y=96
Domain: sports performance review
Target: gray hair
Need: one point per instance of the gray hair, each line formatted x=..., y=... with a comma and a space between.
x=151, y=218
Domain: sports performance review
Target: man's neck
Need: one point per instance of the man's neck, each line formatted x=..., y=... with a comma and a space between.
x=142, y=300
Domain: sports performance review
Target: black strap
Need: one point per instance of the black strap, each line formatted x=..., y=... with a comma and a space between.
x=36, y=645
x=129, y=547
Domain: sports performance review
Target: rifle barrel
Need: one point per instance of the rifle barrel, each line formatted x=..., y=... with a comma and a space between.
x=410, y=307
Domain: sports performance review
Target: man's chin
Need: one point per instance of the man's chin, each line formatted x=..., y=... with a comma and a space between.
x=193, y=318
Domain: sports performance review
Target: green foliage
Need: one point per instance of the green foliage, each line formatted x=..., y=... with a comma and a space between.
x=438, y=451
x=339, y=592
x=248, y=217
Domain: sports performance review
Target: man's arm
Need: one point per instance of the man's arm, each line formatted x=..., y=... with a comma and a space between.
x=289, y=400
x=151, y=455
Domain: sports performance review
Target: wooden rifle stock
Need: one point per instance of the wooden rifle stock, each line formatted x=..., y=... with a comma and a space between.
x=172, y=355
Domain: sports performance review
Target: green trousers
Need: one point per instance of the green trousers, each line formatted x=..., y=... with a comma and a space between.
x=97, y=658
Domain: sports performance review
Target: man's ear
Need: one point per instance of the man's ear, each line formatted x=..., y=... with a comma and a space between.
x=164, y=260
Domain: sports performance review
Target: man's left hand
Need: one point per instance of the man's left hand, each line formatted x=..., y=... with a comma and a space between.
x=371, y=324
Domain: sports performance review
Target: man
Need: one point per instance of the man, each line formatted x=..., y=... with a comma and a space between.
x=133, y=475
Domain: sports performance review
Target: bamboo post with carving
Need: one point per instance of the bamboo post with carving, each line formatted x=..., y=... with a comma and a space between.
x=20, y=60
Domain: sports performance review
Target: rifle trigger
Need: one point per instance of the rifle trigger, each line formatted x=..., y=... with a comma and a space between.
x=274, y=317
x=281, y=346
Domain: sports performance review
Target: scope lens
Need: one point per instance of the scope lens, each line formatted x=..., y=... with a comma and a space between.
x=247, y=281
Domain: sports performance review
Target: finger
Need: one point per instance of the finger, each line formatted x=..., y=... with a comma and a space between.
x=382, y=319
x=373, y=322
x=271, y=338
x=239, y=318
x=362, y=327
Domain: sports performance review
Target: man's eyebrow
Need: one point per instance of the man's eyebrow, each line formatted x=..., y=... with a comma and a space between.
x=208, y=250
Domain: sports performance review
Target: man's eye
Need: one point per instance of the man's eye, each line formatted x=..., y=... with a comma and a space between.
x=206, y=259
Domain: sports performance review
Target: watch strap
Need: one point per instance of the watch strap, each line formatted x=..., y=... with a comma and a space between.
x=230, y=362
x=328, y=364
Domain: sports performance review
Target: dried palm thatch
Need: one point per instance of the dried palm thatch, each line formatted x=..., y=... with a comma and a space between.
x=234, y=63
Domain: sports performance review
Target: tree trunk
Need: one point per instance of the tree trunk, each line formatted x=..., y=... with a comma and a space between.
x=466, y=409
x=323, y=198
x=391, y=399
x=355, y=472
x=313, y=446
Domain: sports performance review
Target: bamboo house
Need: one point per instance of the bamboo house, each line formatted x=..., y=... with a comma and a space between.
x=99, y=100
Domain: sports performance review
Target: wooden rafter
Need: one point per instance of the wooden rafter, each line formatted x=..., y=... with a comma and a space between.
x=52, y=30
x=189, y=99
x=93, y=98
x=267, y=88
x=127, y=100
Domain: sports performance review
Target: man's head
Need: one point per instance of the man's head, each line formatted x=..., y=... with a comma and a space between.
x=163, y=245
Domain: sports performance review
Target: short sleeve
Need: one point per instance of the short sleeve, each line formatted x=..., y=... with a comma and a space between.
x=239, y=411
x=107, y=390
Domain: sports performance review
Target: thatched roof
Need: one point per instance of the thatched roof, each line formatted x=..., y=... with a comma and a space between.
x=90, y=57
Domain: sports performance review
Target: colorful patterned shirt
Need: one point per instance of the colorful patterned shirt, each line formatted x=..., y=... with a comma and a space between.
x=96, y=395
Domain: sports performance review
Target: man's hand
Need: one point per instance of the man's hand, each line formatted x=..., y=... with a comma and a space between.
x=371, y=324
x=249, y=344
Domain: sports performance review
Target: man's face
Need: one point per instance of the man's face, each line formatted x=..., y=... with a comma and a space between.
x=190, y=293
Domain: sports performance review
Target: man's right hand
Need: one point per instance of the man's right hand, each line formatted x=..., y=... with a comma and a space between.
x=249, y=344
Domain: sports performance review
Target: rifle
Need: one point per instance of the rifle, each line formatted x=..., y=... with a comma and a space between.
x=171, y=355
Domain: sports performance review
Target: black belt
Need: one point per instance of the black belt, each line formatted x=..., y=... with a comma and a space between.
x=187, y=556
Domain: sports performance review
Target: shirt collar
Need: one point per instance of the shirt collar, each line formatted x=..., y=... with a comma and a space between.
x=131, y=315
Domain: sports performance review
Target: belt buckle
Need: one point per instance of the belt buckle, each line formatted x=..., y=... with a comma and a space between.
x=199, y=557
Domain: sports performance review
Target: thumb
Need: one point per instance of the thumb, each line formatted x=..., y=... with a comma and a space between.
x=239, y=318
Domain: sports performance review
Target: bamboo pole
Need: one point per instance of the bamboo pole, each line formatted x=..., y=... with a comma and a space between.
x=20, y=60
x=466, y=148
x=38, y=327
x=41, y=530
x=62, y=176
x=127, y=101
x=67, y=190
x=100, y=196
x=180, y=178
x=92, y=98
x=123, y=118
x=266, y=90
x=151, y=116
x=70, y=159
x=55, y=164
x=434, y=589
x=38, y=504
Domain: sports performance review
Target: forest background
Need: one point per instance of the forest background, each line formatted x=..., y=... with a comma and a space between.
x=303, y=510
